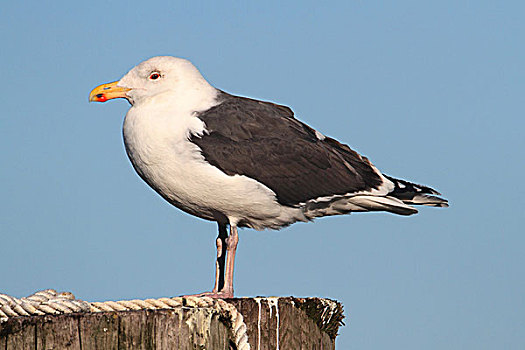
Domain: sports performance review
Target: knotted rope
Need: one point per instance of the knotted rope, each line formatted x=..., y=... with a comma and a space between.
x=48, y=301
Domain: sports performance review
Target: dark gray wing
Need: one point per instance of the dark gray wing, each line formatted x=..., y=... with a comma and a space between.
x=263, y=141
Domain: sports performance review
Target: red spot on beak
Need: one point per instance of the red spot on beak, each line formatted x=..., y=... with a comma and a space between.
x=101, y=98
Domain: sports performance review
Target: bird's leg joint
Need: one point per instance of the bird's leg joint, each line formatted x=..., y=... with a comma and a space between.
x=232, y=241
x=218, y=242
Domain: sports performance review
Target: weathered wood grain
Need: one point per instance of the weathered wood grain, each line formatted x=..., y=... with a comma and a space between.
x=99, y=331
x=295, y=329
x=22, y=338
x=284, y=323
x=3, y=343
x=57, y=333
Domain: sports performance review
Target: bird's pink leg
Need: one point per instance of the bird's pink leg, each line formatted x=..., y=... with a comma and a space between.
x=226, y=248
x=231, y=248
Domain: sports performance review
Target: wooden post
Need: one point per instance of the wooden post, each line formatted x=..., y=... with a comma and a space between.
x=272, y=323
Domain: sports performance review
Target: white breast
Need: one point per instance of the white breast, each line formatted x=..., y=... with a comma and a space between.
x=157, y=144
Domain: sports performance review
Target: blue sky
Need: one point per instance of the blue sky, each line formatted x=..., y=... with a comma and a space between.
x=430, y=92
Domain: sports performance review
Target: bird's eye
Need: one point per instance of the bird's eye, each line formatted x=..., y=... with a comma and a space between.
x=154, y=76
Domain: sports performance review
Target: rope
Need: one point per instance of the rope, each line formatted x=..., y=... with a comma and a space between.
x=48, y=302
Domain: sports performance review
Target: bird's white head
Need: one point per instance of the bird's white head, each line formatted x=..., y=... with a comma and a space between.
x=162, y=76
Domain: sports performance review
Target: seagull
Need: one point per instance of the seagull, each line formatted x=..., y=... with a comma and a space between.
x=242, y=162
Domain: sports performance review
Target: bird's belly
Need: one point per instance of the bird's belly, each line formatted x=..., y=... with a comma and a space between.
x=180, y=175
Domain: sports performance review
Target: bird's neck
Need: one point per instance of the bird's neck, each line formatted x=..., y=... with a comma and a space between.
x=170, y=115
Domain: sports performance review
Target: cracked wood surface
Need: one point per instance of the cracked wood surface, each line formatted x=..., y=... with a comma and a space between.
x=272, y=323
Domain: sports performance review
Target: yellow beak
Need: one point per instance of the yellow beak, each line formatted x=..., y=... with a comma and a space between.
x=108, y=91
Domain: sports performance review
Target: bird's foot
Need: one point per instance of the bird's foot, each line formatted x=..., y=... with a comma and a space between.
x=215, y=295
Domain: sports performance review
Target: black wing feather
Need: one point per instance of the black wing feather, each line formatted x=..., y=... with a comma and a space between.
x=264, y=141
